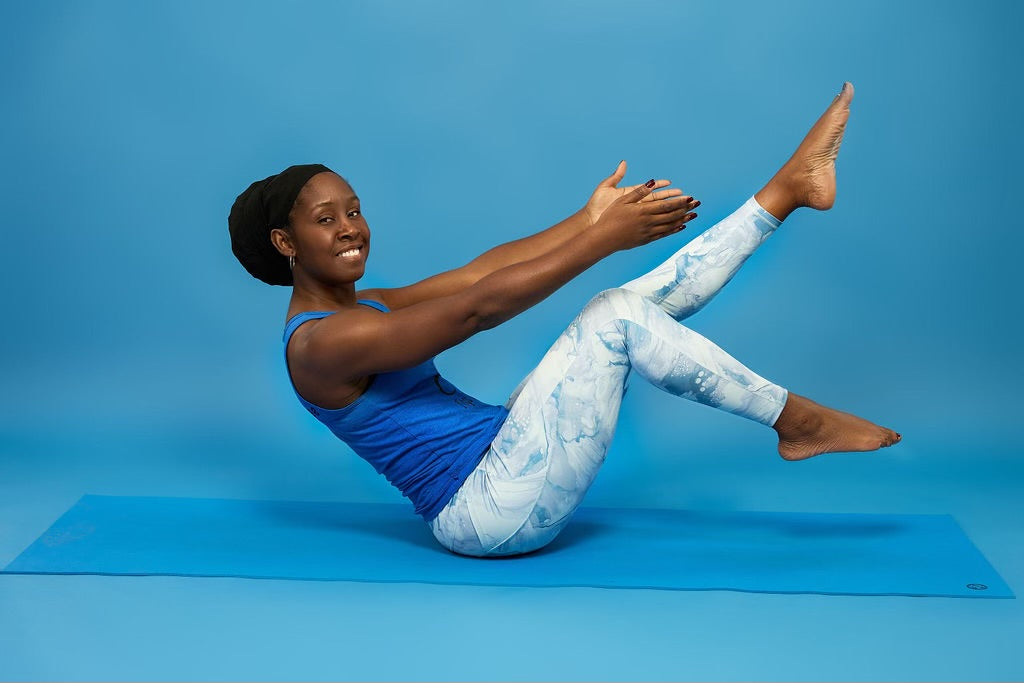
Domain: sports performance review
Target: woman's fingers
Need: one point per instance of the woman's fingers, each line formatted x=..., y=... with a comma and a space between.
x=691, y=202
x=655, y=195
x=639, y=192
x=660, y=211
x=668, y=205
x=672, y=227
x=679, y=217
x=658, y=184
x=615, y=178
x=663, y=194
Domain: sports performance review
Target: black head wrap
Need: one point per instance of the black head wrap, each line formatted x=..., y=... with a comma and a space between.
x=265, y=205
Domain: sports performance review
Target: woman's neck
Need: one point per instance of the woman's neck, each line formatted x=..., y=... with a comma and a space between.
x=309, y=295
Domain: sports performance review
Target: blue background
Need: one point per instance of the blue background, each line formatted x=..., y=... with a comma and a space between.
x=140, y=359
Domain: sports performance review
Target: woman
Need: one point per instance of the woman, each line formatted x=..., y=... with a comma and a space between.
x=502, y=480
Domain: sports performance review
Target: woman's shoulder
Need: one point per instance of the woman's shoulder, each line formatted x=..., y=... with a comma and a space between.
x=311, y=378
x=370, y=297
x=374, y=296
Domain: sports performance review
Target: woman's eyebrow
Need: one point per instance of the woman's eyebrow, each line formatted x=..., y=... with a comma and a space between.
x=331, y=201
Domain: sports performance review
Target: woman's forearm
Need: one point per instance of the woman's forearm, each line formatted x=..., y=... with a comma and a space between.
x=509, y=291
x=454, y=281
x=628, y=223
x=531, y=247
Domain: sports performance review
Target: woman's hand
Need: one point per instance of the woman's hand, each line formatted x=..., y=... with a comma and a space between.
x=607, y=191
x=637, y=217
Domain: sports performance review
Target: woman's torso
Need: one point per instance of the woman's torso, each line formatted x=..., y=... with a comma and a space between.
x=412, y=425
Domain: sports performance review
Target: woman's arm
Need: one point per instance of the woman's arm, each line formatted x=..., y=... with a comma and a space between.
x=453, y=281
x=517, y=251
x=356, y=343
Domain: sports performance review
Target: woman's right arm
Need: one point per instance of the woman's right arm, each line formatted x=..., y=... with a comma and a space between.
x=362, y=342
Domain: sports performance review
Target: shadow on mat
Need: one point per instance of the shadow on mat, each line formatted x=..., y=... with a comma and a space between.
x=396, y=524
x=382, y=520
x=371, y=519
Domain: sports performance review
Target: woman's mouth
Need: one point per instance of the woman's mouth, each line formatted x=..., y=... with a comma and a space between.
x=351, y=253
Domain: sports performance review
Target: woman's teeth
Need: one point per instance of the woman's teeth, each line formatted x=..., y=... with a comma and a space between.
x=350, y=253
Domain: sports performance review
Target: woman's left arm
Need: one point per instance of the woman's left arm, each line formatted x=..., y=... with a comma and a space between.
x=517, y=251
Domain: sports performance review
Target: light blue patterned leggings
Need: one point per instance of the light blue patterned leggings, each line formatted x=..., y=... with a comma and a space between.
x=562, y=416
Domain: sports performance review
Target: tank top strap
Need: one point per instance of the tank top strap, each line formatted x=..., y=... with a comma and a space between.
x=374, y=304
x=299, y=318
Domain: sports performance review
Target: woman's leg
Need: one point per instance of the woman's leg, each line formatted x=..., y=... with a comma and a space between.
x=688, y=280
x=563, y=415
x=561, y=422
x=683, y=284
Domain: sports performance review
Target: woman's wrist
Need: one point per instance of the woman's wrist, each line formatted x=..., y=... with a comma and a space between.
x=586, y=217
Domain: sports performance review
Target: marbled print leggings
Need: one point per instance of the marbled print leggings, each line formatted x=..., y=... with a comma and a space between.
x=562, y=416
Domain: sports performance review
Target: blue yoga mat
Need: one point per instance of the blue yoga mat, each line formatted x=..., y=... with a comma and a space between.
x=773, y=552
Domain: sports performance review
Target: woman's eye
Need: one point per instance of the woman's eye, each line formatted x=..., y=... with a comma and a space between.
x=354, y=213
x=324, y=219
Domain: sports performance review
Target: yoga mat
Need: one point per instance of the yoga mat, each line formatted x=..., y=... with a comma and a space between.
x=773, y=552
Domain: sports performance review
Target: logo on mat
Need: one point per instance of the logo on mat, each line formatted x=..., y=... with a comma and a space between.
x=977, y=586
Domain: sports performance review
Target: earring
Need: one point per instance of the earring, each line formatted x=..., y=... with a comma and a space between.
x=291, y=262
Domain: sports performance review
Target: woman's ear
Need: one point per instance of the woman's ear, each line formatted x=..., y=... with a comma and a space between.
x=282, y=241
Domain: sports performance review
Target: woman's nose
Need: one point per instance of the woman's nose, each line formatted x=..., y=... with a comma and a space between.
x=346, y=230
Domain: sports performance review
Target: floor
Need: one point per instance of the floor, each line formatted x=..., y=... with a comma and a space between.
x=149, y=628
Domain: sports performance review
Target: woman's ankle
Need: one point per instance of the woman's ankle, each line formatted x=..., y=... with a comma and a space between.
x=776, y=198
x=798, y=419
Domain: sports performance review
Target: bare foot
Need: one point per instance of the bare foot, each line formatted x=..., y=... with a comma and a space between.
x=809, y=177
x=807, y=429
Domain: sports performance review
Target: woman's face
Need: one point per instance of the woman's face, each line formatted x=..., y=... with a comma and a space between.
x=329, y=234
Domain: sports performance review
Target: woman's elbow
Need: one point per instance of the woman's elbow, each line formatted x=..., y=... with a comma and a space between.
x=487, y=313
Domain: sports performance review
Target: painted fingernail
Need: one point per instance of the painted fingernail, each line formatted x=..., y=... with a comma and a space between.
x=649, y=183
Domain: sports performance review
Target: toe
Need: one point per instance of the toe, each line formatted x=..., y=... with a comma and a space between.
x=845, y=95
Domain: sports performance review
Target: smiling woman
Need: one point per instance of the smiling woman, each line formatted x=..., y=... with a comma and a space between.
x=325, y=206
x=500, y=480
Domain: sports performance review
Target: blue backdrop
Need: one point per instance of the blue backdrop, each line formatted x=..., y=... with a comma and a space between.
x=130, y=128
x=138, y=358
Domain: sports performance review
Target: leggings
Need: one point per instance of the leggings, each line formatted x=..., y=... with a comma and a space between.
x=562, y=416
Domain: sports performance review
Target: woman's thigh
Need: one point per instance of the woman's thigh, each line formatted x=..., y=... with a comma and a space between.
x=541, y=463
x=562, y=419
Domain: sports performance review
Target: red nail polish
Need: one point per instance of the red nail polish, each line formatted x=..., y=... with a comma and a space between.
x=650, y=183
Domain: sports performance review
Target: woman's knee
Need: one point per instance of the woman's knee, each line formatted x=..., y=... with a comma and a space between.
x=616, y=298
x=616, y=304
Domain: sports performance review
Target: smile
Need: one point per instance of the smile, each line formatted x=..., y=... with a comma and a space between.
x=351, y=253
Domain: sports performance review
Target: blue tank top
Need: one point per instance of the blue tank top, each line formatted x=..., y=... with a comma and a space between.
x=413, y=426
